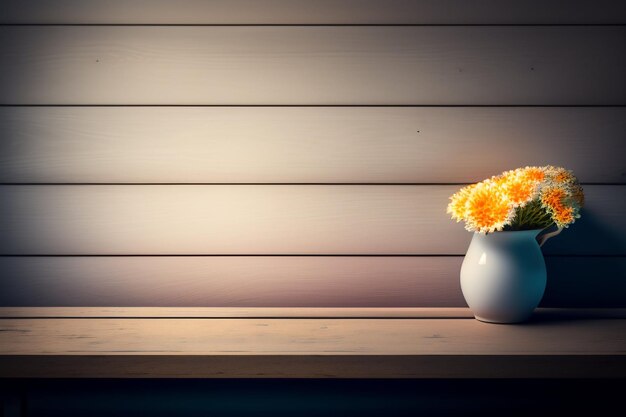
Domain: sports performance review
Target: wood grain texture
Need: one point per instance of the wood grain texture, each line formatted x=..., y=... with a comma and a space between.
x=548, y=346
x=305, y=144
x=312, y=65
x=230, y=281
x=292, y=312
x=308, y=337
x=270, y=219
x=312, y=11
x=301, y=283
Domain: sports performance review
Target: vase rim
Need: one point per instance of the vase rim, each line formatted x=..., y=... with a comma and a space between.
x=510, y=231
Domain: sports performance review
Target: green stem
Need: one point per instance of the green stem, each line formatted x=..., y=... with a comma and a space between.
x=531, y=216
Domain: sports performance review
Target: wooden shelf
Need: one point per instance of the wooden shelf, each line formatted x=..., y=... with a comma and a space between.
x=307, y=343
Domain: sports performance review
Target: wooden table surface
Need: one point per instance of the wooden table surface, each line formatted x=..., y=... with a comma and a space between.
x=307, y=343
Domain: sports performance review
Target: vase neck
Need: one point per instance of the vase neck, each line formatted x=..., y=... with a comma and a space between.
x=499, y=238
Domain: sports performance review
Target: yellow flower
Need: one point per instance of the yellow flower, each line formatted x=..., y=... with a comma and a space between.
x=456, y=207
x=521, y=186
x=487, y=208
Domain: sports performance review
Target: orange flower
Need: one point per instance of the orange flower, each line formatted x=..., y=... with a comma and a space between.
x=563, y=176
x=555, y=199
x=536, y=174
x=552, y=197
x=560, y=175
x=456, y=207
x=521, y=187
x=563, y=215
x=487, y=208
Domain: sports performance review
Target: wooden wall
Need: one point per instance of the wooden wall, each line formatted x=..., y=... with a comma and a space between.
x=296, y=153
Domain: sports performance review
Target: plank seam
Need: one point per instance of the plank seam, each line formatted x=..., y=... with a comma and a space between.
x=270, y=183
x=307, y=255
x=249, y=317
x=338, y=313
x=495, y=105
x=620, y=24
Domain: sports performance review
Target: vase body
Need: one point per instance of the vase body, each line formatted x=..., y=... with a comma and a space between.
x=503, y=276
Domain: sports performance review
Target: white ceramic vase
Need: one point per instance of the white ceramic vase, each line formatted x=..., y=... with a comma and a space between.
x=503, y=276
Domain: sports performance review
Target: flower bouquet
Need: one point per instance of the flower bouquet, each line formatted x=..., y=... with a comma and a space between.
x=522, y=199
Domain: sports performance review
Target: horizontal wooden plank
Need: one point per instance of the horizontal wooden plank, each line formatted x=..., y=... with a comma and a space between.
x=312, y=11
x=310, y=348
x=291, y=312
x=268, y=219
x=308, y=336
x=290, y=346
x=353, y=286
x=305, y=144
x=312, y=366
x=312, y=65
x=230, y=281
